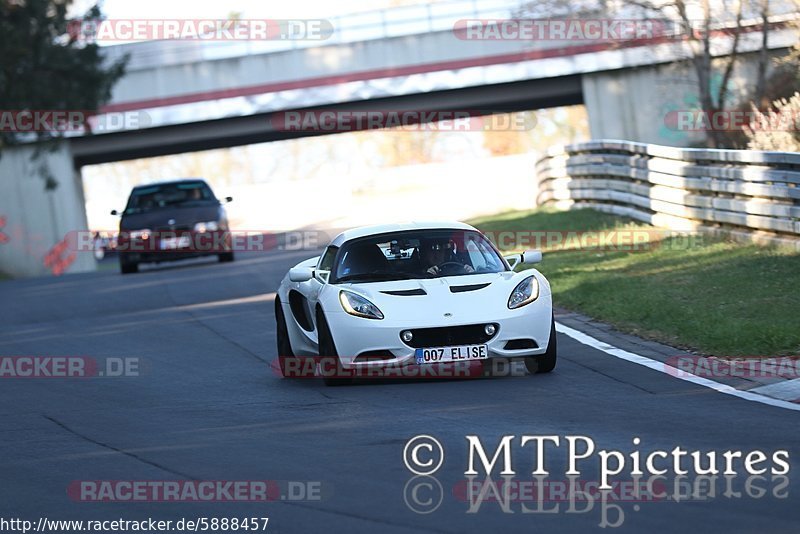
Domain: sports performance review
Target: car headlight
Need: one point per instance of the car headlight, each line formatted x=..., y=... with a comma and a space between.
x=526, y=292
x=203, y=227
x=140, y=234
x=359, y=306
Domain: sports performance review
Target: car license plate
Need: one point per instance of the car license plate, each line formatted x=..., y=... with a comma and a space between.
x=451, y=354
x=171, y=243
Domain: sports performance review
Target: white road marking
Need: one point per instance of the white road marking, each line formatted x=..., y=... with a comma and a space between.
x=672, y=371
x=264, y=297
x=787, y=390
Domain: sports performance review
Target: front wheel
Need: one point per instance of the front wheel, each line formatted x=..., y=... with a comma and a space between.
x=226, y=257
x=128, y=267
x=333, y=373
x=546, y=362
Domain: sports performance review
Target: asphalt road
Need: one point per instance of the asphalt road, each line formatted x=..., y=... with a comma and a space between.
x=205, y=406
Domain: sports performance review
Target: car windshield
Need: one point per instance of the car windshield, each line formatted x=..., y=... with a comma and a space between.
x=416, y=254
x=166, y=195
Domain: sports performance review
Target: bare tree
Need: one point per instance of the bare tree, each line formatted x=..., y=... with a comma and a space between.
x=763, y=55
x=698, y=24
x=700, y=21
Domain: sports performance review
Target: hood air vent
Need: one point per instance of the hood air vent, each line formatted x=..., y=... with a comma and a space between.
x=462, y=289
x=405, y=292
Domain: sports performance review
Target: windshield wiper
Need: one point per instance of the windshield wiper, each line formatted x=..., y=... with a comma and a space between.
x=375, y=276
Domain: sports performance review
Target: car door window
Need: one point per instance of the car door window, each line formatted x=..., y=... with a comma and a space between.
x=325, y=265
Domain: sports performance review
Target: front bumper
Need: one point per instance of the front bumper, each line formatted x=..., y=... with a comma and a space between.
x=183, y=245
x=356, y=338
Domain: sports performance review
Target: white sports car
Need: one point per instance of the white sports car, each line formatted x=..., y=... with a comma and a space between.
x=413, y=294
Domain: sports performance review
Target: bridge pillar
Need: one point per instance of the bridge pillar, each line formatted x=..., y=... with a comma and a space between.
x=42, y=220
x=641, y=104
x=635, y=104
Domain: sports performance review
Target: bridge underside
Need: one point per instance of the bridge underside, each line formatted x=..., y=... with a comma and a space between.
x=151, y=142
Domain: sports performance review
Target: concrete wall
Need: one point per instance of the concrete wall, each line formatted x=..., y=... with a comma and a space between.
x=174, y=82
x=37, y=219
x=635, y=104
x=152, y=73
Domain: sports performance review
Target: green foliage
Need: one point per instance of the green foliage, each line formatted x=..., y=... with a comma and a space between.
x=711, y=295
x=782, y=139
x=43, y=67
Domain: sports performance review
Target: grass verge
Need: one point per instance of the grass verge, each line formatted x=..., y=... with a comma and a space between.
x=709, y=295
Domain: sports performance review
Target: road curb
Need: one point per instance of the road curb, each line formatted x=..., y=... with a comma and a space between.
x=775, y=387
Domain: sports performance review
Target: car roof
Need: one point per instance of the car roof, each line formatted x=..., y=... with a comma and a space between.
x=172, y=181
x=365, y=231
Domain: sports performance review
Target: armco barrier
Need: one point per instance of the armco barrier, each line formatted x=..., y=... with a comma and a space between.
x=746, y=194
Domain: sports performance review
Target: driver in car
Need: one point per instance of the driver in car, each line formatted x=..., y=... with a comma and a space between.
x=437, y=256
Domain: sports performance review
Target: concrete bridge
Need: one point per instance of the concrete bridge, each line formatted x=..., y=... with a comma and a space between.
x=196, y=95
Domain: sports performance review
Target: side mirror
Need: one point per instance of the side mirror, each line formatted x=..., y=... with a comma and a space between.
x=532, y=256
x=301, y=274
x=529, y=256
x=228, y=199
x=114, y=212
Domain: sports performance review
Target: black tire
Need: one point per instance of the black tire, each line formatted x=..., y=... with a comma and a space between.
x=328, y=355
x=128, y=267
x=286, y=357
x=546, y=362
x=226, y=257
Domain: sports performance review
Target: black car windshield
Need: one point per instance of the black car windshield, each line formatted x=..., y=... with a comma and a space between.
x=172, y=194
x=417, y=254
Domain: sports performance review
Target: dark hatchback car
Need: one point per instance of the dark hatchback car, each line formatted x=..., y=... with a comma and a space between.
x=173, y=220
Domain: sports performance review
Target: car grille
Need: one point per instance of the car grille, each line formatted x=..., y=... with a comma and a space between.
x=472, y=334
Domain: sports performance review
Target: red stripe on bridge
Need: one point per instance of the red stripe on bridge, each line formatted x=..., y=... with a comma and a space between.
x=321, y=81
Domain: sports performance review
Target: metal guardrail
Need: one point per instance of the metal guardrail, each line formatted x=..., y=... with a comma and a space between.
x=744, y=193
